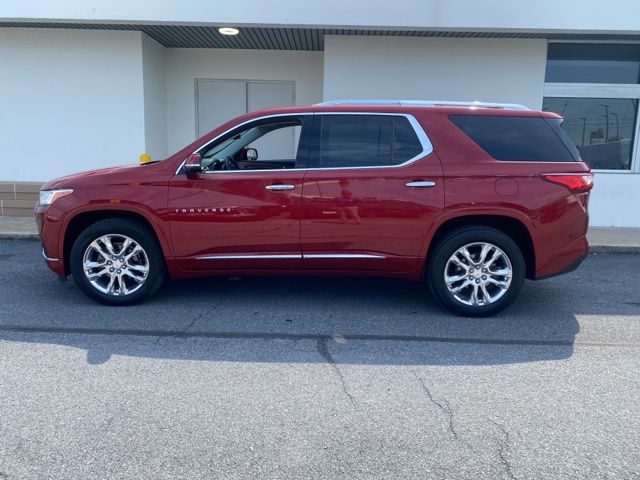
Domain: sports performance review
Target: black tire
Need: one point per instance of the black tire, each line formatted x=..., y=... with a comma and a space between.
x=459, y=238
x=135, y=231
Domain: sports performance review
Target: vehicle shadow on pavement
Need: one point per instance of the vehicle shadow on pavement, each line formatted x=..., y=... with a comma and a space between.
x=310, y=319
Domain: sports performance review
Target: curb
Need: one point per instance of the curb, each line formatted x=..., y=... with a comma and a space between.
x=613, y=249
x=19, y=236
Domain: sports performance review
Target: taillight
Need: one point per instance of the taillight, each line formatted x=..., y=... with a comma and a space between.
x=575, y=182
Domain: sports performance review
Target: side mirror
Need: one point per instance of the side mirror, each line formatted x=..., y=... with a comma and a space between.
x=193, y=164
x=250, y=154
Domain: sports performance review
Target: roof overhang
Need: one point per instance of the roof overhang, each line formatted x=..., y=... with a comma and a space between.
x=290, y=38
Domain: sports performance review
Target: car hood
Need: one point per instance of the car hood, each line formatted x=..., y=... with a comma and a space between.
x=91, y=177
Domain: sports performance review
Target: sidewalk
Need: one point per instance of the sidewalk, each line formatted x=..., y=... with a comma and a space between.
x=18, y=228
x=602, y=239
x=614, y=240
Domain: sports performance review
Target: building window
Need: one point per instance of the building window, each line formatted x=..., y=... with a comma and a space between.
x=593, y=63
x=596, y=89
x=602, y=128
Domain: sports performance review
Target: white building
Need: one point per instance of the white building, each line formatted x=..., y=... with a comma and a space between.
x=89, y=83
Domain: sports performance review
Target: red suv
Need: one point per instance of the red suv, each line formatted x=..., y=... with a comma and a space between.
x=471, y=197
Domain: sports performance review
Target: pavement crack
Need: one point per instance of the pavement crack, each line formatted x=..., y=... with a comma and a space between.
x=503, y=446
x=443, y=405
x=182, y=332
x=323, y=349
x=186, y=329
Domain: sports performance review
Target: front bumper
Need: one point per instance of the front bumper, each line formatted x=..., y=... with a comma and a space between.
x=48, y=259
x=49, y=231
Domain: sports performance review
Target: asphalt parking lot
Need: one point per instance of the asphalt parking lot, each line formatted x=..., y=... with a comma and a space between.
x=318, y=378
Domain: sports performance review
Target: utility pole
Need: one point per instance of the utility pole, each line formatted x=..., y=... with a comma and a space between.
x=617, y=125
x=606, y=109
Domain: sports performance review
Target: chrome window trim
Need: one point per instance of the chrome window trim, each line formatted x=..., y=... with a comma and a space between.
x=427, y=146
x=217, y=137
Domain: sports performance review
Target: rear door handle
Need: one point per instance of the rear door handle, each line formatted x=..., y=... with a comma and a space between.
x=420, y=184
x=277, y=187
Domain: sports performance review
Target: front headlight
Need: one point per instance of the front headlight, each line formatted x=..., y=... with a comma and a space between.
x=47, y=197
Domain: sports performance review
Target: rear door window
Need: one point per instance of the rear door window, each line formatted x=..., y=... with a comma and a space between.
x=365, y=141
x=532, y=139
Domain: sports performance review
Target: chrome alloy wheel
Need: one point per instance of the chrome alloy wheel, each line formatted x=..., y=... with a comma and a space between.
x=115, y=264
x=478, y=274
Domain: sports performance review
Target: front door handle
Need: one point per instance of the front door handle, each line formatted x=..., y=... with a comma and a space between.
x=278, y=187
x=420, y=184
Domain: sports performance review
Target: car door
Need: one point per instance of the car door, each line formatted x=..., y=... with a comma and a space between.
x=372, y=191
x=241, y=214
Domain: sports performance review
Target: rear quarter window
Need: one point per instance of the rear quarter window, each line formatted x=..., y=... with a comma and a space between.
x=525, y=139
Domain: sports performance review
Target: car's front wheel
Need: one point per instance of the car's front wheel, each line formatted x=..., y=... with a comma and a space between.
x=476, y=271
x=117, y=262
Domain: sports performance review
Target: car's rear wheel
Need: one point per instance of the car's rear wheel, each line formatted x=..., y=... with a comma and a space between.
x=476, y=271
x=117, y=262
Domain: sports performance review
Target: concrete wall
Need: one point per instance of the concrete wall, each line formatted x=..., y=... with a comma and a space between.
x=185, y=65
x=71, y=100
x=155, y=97
x=539, y=15
x=491, y=70
x=614, y=200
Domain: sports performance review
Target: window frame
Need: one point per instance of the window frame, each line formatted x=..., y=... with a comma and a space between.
x=311, y=141
x=602, y=90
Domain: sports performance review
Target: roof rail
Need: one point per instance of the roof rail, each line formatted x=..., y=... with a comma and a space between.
x=419, y=103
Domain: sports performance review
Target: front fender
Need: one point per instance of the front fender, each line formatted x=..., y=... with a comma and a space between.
x=156, y=219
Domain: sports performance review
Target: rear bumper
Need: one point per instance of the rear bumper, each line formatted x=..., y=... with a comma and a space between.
x=564, y=260
x=569, y=268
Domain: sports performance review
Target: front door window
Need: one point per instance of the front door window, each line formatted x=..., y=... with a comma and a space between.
x=262, y=145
